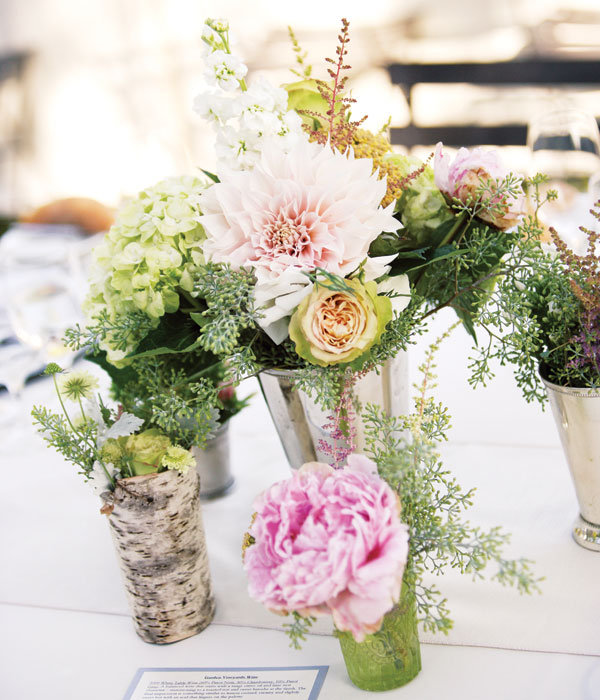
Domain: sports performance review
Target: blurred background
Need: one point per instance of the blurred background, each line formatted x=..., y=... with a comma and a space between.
x=96, y=96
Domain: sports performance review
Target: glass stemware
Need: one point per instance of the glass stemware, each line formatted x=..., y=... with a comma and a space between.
x=17, y=362
x=565, y=146
x=39, y=290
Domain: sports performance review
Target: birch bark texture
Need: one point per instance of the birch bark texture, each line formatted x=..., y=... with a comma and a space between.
x=156, y=525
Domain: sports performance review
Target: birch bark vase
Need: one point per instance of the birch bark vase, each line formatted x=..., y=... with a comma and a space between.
x=156, y=525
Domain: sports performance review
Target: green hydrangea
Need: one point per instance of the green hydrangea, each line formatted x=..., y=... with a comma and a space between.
x=149, y=254
x=422, y=206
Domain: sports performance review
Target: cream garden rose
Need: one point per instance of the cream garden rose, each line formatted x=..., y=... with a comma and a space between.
x=330, y=327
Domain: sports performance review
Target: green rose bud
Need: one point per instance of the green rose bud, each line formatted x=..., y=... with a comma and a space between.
x=145, y=450
x=330, y=327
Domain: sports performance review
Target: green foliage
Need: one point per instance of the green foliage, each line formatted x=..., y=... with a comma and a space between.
x=298, y=629
x=123, y=332
x=229, y=310
x=301, y=56
x=449, y=249
x=533, y=318
x=77, y=446
x=405, y=449
x=168, y=394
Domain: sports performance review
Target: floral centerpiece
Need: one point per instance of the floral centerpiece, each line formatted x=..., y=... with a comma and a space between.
x=150, y=492
x=312, y=248
x=543, y=319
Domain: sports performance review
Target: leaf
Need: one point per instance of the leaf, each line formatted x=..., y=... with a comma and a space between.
x=126, y=424
x=467, y=322
x=200, y=319
x=210, y=175
x=176, y=333
x=385, y=244
x=404, y=265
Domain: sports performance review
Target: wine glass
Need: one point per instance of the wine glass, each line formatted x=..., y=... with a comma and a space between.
x=565, y=146
x=39, y=289
x=17, y=362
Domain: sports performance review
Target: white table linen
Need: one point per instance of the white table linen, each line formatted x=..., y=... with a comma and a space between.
x=64, y=615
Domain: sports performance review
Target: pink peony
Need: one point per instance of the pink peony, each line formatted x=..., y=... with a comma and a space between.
x=329, y=541
x=460, y=178
x=311, y=207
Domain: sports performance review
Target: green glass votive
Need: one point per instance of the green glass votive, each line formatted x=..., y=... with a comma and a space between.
x=392, y=656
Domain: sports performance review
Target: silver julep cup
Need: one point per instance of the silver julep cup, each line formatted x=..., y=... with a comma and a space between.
x=213, y=465
x=577, y=417
x=300, y=422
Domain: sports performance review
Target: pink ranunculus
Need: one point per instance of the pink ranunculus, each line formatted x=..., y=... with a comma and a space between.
x=460, y=178
x=311, y=207
x=329, y=541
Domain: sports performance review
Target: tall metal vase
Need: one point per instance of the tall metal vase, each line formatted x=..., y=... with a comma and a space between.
x=577, y=416
x=213, y=464
x=299, y=420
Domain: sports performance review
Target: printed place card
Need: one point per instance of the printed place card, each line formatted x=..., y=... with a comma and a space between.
x=298, y=682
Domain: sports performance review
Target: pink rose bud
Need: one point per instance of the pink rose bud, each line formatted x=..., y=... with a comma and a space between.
x=460, y=178
x=226, y=393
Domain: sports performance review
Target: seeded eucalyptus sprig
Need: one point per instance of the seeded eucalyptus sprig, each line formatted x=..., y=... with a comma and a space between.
x=405, y=449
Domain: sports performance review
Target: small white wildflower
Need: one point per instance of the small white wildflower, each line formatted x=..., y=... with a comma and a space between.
x=259, y=122
x=210, y=36
x=77, y=385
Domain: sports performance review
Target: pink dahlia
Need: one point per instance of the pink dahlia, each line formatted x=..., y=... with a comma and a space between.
x=329, y=541
x=460, y=178
x=310, y=207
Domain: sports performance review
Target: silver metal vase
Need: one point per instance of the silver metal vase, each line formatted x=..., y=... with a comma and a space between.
x=299, y=420
x=213, y=464
x=577, y=416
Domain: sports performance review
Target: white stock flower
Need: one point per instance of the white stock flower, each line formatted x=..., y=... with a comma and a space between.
x=236, y=150
x=209, y=35
x=224, y=70
x=216, y=107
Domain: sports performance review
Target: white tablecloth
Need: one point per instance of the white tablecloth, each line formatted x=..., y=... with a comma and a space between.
x=66, y=631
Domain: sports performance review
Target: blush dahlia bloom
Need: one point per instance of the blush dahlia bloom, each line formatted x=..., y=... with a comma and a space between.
x=329, y=541
x=311, y=207
x=460, y=178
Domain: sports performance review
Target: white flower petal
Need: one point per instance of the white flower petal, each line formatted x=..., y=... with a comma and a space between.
x=398, y=285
